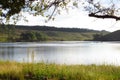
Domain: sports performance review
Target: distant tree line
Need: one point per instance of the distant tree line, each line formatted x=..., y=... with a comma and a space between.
x=7, y=29
x=9, y=32
x=114, y=36
x=41, y=33
x=50, y=28
x=98, y=37
x=32, y=36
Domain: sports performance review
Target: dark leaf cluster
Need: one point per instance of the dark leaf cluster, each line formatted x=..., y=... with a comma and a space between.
x=12, y=6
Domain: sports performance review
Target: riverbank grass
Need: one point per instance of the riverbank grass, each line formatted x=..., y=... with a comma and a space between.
x=42, y=71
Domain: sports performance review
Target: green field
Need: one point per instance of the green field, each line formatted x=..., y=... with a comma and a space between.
x=42, y=71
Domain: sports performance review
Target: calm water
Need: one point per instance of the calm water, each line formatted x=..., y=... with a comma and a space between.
x=62, y=52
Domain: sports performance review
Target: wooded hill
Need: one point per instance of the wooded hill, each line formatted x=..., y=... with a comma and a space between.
x=114, y=36
x=43, y=33
x=50, y=28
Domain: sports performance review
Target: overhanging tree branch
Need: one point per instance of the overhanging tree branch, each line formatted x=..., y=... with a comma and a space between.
x=104, y=16
x=10, y=8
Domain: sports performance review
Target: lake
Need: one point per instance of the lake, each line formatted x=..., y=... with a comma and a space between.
x=62, y=52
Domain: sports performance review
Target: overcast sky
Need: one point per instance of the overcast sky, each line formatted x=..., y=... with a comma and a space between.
x=74, y=18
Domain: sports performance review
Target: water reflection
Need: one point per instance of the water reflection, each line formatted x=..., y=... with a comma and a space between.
x=70, y=52
x=7, y=53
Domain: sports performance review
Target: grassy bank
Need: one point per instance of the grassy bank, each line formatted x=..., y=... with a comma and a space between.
x=41, y=71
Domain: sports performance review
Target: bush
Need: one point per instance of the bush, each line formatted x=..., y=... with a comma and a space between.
x=32, y=36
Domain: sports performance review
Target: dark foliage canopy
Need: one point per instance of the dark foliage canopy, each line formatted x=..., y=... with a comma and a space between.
x=14, y=6
x=10, y=8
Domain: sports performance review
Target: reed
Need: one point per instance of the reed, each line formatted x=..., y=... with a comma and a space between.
x=42, y=71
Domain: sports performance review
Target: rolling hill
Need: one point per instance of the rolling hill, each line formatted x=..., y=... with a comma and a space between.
x=32, y=33
x=114, y=36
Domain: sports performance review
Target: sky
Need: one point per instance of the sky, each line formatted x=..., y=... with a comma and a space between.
x=74, y=18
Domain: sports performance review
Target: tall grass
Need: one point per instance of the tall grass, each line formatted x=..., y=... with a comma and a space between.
x=42, y=71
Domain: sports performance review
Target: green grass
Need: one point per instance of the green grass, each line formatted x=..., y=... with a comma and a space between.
x=42, y=71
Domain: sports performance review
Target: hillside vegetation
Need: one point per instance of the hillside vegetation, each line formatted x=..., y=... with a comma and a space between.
x=114, y=36
x=44, y=33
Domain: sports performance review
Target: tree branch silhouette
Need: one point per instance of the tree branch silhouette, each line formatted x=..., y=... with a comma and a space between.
x=104, y=16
